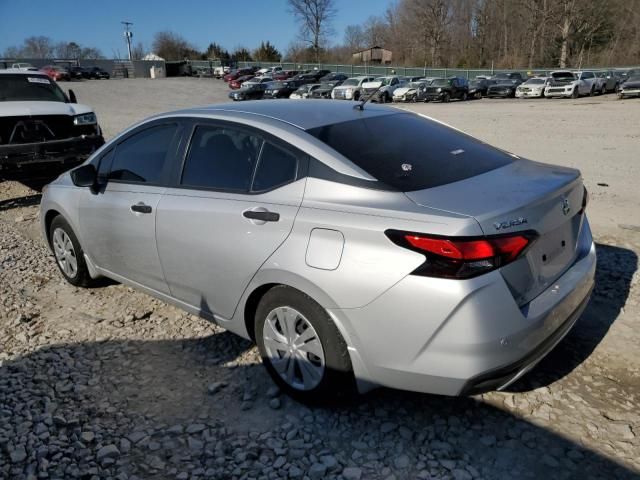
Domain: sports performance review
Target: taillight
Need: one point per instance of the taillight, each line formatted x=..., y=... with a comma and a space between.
x=462, y=257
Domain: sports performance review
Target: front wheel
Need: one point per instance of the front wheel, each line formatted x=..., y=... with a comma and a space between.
x=301, y=347
x=446, y=98
x=603, y=90
x=465, y=97
x=68, y=253
x=575, y=93
x=592, y=92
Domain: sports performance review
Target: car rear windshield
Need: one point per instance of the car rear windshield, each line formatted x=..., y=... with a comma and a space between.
x=407, y=152
x=29, y=88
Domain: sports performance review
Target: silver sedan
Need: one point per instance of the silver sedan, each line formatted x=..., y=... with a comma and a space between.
x=358, y=247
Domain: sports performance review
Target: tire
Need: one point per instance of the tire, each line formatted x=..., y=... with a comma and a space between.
x=446, y=98
x=356, y=96
x=62, y=238
x=575, y=93
x=592, y=92
x=326, y=351
x=465, y=97
x=603, y=90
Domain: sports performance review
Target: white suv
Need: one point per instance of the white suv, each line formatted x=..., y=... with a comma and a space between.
x=564, y=83
x=351, y=88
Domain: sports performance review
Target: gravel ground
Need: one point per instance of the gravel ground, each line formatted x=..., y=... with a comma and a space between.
x=108, y=383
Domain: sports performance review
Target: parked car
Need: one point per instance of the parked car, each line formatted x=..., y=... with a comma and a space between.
x=24, y=66
x=509, y=76
x=77, y=73
x=304, y=90
x=267, y=71
x=609, y=81
x=285, y=74
x=630, y=88
x=252, y=89
x=237, y=83
x=534, y=87
x=241, y=72
x=281, y=89
x=381, y=89
x=221, y=71
x=565, y=83
x=334, y=78
x=412, y=92
x=56, y=72
x=446, y=89
x=325, y=89
x=351, y=88
x=97, y=73
x=503, y=88
x=357, y=248
x=43, y=132
x=478, y=87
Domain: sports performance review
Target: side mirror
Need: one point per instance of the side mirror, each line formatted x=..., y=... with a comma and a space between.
x=72, y=97
x=84, y=176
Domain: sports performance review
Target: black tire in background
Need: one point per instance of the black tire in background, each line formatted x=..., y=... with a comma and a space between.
x=337, y=380
x=81, y=278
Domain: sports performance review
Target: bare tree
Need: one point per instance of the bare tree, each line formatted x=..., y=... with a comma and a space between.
x=315, y=18
x=354, y=38
x=38, y=47
x=137, y=52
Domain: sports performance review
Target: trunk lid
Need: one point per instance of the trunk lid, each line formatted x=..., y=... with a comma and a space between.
x=521, y=196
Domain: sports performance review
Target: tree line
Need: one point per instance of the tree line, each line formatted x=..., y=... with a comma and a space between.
x=503, y=33
x=429, y=33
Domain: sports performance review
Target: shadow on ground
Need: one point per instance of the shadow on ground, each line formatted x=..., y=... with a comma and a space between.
x=26, y=201
x=152, y=392
x=614, y=272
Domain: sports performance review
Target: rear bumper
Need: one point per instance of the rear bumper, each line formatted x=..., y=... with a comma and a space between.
x=455, y=337
x=46, y=158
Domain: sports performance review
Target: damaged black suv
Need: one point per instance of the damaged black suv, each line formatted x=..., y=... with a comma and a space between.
x=43, y=132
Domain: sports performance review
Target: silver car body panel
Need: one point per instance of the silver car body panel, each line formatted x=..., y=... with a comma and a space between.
x=404, y=331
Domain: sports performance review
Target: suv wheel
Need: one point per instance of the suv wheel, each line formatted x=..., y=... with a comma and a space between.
x=356, y=96
x=68, y=253
x=301, y=347
x=446, y=98
x=575, y=93
x=603, y=90
x=593, y=91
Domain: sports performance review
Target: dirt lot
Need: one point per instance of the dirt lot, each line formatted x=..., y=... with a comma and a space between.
x=110, y=383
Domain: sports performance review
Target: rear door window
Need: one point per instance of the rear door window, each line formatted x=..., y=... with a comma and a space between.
x=407, y=152
x=277, y=167
x=221, y=158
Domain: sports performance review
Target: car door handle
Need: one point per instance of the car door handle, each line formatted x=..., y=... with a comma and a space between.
x=141, y=208
x=263, y=216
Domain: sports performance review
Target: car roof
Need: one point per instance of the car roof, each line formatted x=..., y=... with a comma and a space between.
x=304, y=115
x=17, y=71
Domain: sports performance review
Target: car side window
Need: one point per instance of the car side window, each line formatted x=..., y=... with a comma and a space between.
x=104, y=165
x=276, y=167
x=221, y=158
x=140, y=158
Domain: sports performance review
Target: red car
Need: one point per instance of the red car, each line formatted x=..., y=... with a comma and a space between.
x=239, y=73
x=285, y=74
x=55, y=72
x=237, y=83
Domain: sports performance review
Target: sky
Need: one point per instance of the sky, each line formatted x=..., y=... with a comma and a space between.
x=231, y=23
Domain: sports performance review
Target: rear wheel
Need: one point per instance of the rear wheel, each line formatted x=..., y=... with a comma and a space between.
x=68, y=253
x=301, y=347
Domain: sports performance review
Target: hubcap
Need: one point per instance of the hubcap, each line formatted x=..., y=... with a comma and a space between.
x=293, y=348
x=65, y=254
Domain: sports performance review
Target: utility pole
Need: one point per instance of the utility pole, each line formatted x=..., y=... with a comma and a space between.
x=127, y=35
